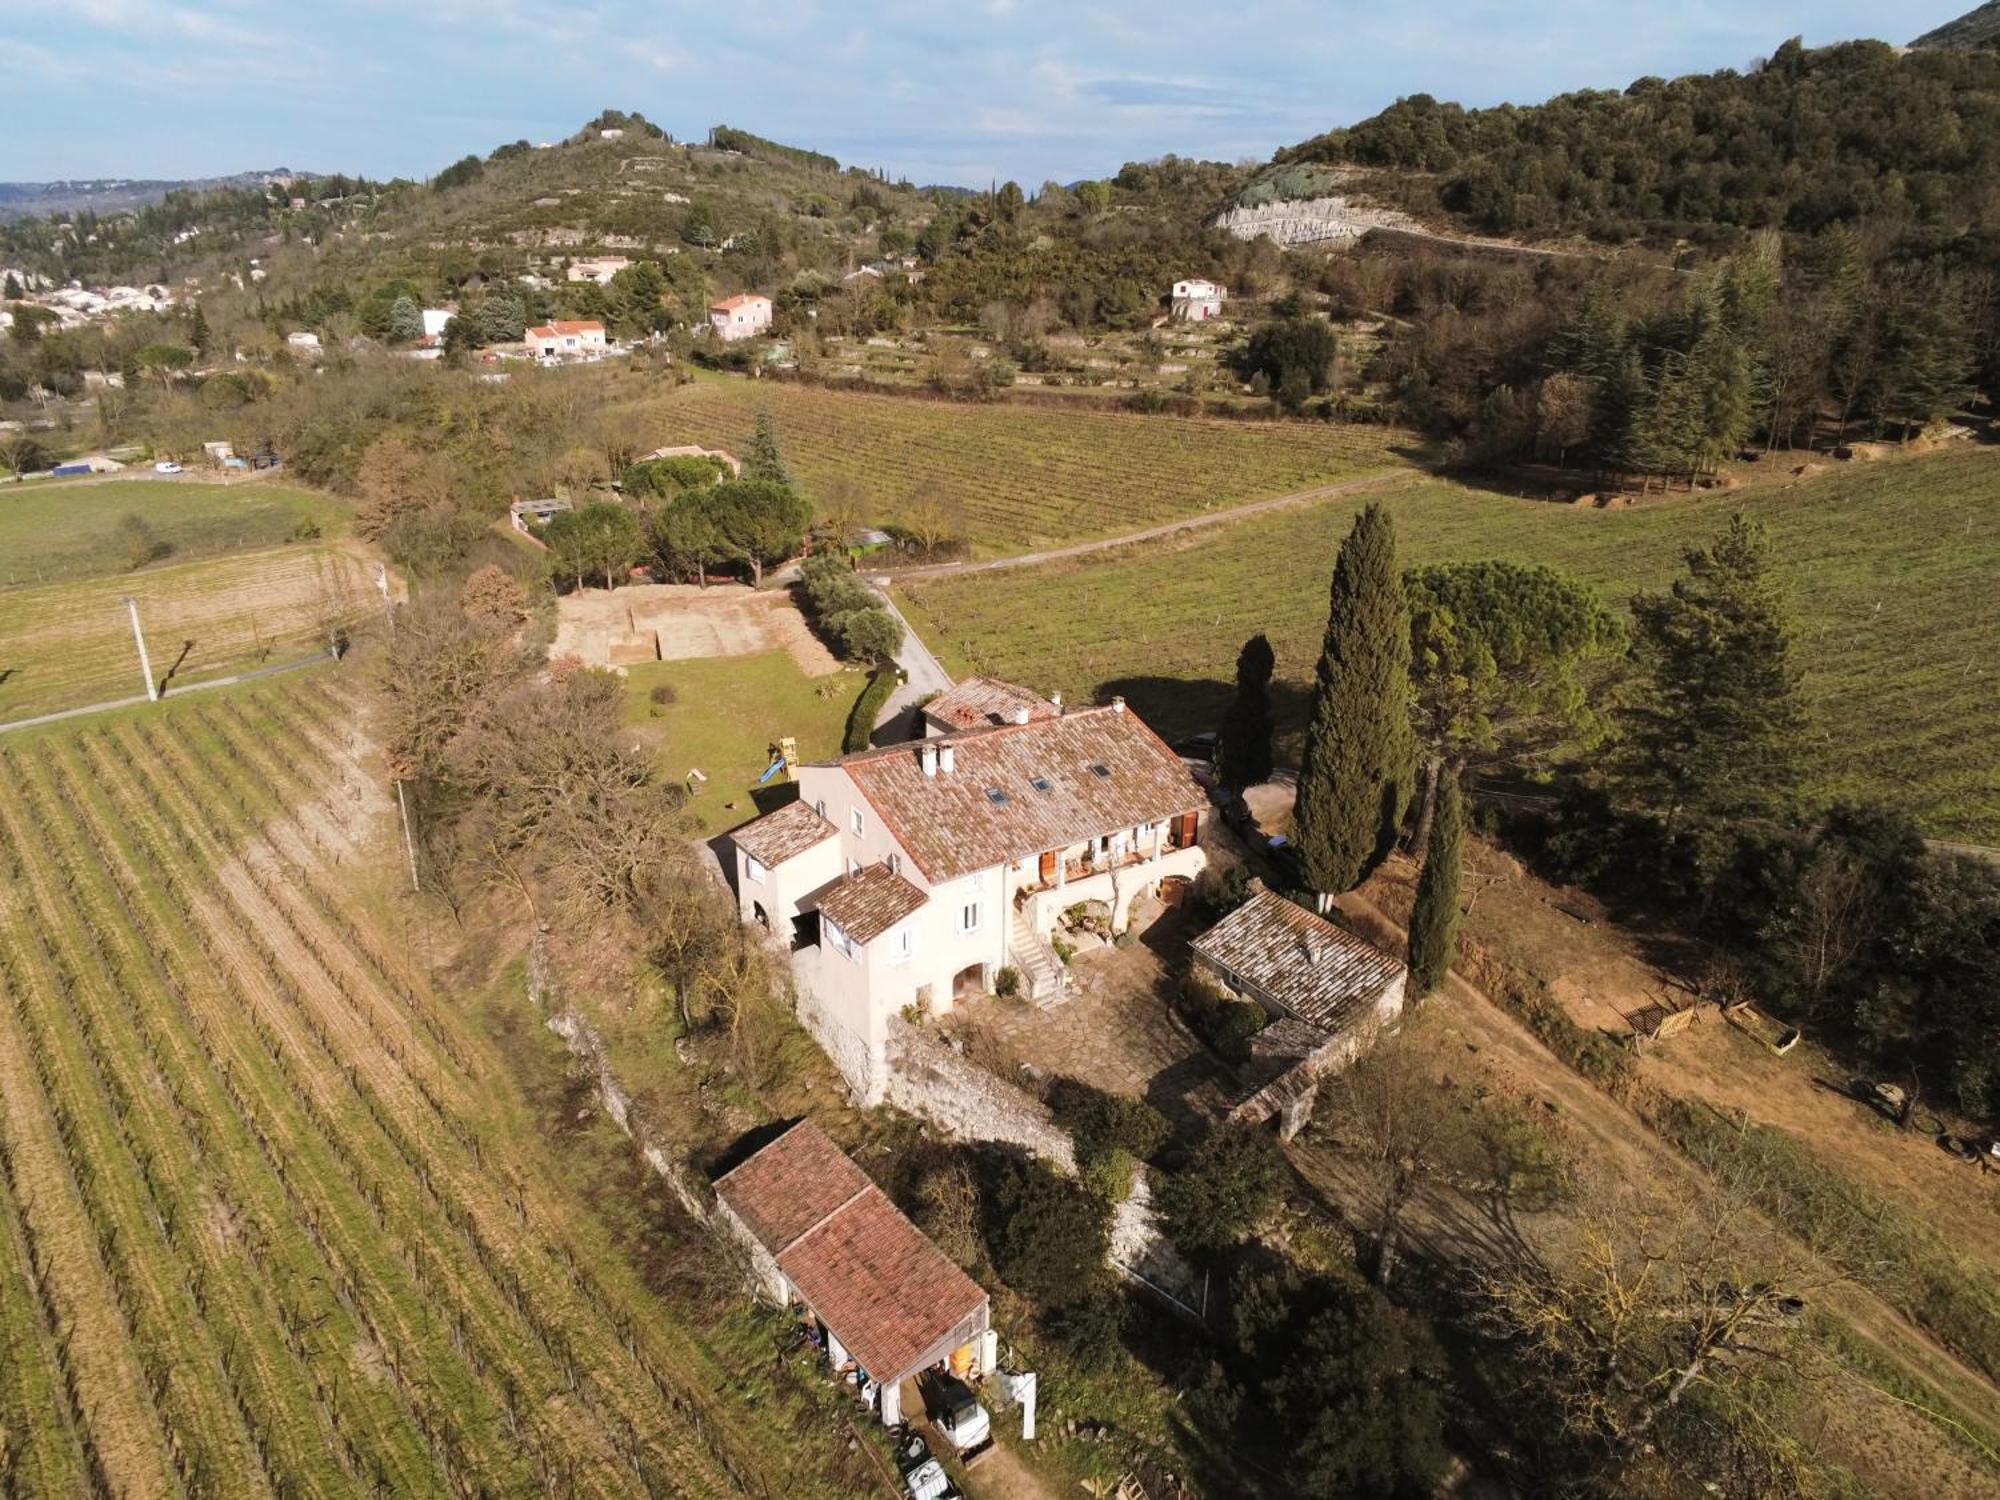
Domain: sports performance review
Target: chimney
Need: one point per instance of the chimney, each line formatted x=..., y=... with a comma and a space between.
x=1118, y=705
x=1056, y=699
x=927, y=753
x=945, y=758
x=1018, y=715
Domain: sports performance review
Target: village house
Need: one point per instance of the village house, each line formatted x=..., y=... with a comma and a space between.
x=1196, y=301
x=1329, y=995
x=565, y=340
x=740, y=317
x=600, y=269
x=434, y=320
x=821, y=1235
x=910, y=877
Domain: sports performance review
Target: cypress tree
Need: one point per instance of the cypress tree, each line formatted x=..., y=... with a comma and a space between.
x=1360, y=755
x=1434, y=919
x=762, y=458
x=1243, y=750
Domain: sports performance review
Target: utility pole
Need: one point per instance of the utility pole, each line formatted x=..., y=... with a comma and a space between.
x=409, y=844
x=145, y=663
x=388, y=604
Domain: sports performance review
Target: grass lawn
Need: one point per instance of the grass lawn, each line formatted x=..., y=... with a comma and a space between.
x=1012, y=478
x=727, y=713
x=51, y=533
x=1892, y=567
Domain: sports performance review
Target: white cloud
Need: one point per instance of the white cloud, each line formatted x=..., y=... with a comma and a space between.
x=654, y=55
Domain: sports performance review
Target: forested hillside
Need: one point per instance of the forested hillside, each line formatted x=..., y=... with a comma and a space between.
x=1973, y=29
x=1813, y=138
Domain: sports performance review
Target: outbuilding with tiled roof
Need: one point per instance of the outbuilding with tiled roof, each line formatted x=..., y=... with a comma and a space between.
x=784, y=834
x=821, y=1233
x=985, y=703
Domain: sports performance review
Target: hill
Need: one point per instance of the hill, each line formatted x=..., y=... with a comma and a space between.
x=1811, y=139
x=117, y=194
x=1973, y=29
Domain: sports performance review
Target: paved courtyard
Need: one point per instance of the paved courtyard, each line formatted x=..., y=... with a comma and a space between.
x=1116, y=1030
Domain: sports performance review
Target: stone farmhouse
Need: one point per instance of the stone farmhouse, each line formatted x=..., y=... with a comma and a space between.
x=913, y=875
x=1329, y=995
x=740, y=317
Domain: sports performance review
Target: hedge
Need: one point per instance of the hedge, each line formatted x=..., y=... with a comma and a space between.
x=861, y=718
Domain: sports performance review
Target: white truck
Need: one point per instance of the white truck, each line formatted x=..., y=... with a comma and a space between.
x=959, y=1418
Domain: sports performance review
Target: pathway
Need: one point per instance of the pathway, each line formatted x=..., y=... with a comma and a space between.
x=923, y=675
x=1382, y=479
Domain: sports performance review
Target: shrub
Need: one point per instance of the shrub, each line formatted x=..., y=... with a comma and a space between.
x=861, y=718
x=1232, y=1183
x=1225, y=1024
x=1092, y=1327
x=1101, y=1122
x=1048, y=1235
x=1108, y=1176
x=1007, y=983
x=663, y=693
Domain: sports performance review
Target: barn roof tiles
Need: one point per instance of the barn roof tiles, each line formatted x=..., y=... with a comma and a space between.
x=983, y=702
x=890, y=1295
x=1298, y=961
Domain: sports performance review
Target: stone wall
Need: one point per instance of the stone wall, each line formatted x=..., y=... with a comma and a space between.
x=931, y=1080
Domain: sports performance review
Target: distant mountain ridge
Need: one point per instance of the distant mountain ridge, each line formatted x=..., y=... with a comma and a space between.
x=114, y=194
x=1973, y=29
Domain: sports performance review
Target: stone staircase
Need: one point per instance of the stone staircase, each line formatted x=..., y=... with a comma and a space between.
x=1044, y=977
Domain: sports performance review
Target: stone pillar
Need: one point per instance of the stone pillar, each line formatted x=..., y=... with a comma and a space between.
x=1295, y=1112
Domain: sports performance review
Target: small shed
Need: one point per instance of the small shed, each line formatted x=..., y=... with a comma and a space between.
x=821, y=1234
x=1331, y=995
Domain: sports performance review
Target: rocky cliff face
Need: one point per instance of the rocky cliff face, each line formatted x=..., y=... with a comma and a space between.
x=1309, y=221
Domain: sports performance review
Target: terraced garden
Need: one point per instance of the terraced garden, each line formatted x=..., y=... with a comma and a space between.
x=64, y=645
x=1019, y=477
x=262, y=1229
x=1892, y=568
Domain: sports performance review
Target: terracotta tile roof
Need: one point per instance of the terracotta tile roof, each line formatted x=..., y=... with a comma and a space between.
x=868, y=904
x=784, y=834
x=791, y=1185
x=562, y=326
x=951, y=824
x=982, y=702
x=889, y=1294
x=741, y=299
x=1298, y=961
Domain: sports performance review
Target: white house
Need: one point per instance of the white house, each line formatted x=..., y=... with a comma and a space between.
x=910, y=876
x=566, y=339
x=1196, y=301
x=434, y=320
x=740, y=317
x=600, y=270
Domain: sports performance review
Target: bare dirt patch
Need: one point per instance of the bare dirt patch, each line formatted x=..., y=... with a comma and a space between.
x=677, y=621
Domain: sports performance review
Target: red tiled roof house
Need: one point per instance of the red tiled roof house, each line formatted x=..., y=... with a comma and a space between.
x=820, y=1233
x=911, y=873
x=566, y=339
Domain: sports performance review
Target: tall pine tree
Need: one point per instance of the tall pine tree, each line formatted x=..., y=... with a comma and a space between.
x=1718, y=730
x=1434, y=918
x=1243, y=749
x=1360, y=755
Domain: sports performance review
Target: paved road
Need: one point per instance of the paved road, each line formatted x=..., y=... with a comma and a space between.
x=923, y=675
x=191, y=687
x=1384, y=479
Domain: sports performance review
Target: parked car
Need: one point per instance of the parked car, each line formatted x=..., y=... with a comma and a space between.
x=958, y=1417
x=167, y=466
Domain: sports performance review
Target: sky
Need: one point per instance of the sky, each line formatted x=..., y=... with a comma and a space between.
x=958, y=91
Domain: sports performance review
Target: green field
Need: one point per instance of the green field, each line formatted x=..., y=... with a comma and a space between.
x=67, y=645
x=1894, y=569
x=727, y=712
x=274, y=1219
x=53, y=532
x=1018, y=477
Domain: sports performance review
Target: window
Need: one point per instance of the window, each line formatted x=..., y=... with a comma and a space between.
x=1041, y=783
x=854, y=867
x=820, y=806
x=1100, y=770
x=835, y=938
x=997, y=797
x=968, y=917
x=754, y=868
x=854, y=818
x=903, y=947
x=895, y=863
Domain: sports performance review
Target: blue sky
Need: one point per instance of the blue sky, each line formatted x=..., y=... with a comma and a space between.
x=945, y=91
